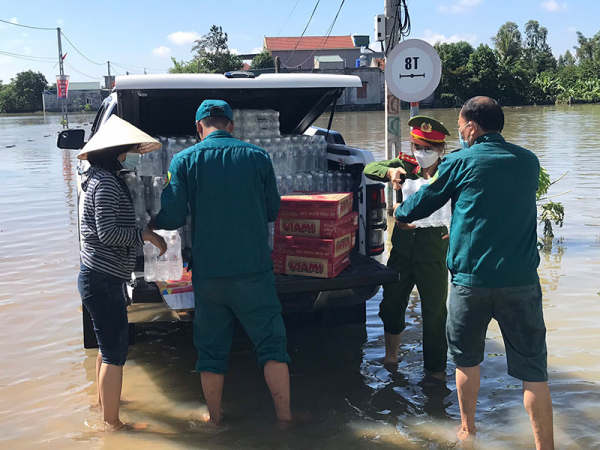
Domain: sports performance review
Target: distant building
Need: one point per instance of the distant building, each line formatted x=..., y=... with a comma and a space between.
x=79, y=95
x=301, y=52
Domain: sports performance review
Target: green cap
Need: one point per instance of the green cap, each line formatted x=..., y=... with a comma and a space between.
x=214, y=108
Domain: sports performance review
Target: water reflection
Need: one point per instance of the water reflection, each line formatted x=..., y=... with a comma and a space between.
x=337, y=371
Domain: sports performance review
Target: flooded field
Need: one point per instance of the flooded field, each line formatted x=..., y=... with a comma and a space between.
x=46, y=376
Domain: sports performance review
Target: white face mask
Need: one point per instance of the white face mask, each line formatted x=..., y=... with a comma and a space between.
x=426, y=158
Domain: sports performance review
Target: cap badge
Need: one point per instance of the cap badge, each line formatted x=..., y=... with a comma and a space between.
x=426, y=127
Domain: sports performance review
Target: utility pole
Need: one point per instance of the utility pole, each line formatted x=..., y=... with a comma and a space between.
x=392, y=103
x=109, y=80
x=63, y=106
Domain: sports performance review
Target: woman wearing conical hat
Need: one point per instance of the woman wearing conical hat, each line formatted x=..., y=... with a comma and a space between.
x=418, y=250
x=109, y=237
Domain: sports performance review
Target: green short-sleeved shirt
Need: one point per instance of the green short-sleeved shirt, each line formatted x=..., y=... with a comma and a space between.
x=493, y=238
x=229, y=188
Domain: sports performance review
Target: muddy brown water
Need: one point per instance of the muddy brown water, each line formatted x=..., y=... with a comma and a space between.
x=47, y=377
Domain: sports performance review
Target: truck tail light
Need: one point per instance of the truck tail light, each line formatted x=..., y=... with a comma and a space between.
x=377, y=221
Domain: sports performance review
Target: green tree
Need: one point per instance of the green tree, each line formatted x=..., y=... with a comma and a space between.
x=566, y=60
x=507, y=42
x=453, y=89
x=588, y=49
x=213, y=53
x=536, y=51
x=24, y=93
x=263, y=60
x=484, y=72
x=183, y=66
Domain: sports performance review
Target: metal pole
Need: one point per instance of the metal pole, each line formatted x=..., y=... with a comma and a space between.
x=109, y=87
x=392, y=104
x=65, y=113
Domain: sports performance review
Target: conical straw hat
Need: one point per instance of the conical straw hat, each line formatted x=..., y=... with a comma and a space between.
x=116, y=132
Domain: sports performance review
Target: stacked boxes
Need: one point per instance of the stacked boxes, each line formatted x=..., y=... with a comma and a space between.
x=314, y=234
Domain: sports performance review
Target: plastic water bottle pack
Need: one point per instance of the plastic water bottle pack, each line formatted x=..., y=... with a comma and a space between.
x=168, y=266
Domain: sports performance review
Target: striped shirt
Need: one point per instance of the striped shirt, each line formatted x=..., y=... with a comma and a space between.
x=108, y=231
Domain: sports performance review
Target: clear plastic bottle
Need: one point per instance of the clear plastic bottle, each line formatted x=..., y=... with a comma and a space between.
x=339, y=182
x=150, y=256
x=349, y=182
x=330, y=181
x=175, y=260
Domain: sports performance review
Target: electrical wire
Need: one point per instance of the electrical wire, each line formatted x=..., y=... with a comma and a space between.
x=27, y=26
x=93, y=62
x=304, y=31
x=126, y=66
x=288, y=17
x=28, y=57
x=79, y=72
x=327, y=35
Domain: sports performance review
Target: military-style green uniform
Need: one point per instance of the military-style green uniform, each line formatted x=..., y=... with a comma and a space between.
x=230, y=190
x=419, y=255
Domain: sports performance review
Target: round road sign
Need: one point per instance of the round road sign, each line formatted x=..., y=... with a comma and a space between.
x=413, y=70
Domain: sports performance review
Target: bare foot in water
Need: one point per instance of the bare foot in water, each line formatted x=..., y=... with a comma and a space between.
x=297, y=418
x=391, y=364
x=120, y=426
x=465, y=435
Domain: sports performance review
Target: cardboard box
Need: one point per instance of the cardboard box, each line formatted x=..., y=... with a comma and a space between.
x=315, y=205
x=310, y=267
x=318, y=228
x=314, y=247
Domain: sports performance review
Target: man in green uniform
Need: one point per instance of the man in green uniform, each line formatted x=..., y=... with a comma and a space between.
x=230, y=190
x=493, y=260
x=418, y=252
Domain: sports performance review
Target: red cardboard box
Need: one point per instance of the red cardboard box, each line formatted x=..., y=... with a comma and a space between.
x=315, y=205
x=317, y=228
x=314, y=247
x=310, y=267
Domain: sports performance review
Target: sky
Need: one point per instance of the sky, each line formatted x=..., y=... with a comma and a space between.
x=135, y=35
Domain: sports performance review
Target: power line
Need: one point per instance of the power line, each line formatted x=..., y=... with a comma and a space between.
x=327, y=35
x=93, y=62
x=304, y=31
x=27, y=26
x=125, y=66
x=79, y=72
x=288, y=17
x=29, y=57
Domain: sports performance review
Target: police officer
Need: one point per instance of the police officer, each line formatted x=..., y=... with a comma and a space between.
x=230, y=190
x=418, y=253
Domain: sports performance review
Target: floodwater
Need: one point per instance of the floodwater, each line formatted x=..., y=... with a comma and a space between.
x=46, y=376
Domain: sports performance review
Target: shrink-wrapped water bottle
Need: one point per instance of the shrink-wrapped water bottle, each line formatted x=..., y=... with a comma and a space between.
x=289, y=184
x=330, y=182
x=349, y=182
x=339, y=182
x=174, y=258
x=156, y=190
x=150, y=257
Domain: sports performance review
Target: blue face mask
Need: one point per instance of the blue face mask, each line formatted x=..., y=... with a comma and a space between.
x=463, y=143
x=131, y=161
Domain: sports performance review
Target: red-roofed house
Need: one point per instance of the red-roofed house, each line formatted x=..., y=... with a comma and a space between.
x=300, y=52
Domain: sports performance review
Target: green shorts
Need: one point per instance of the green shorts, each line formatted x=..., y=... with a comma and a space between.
x=518, y=311
x=252, y=299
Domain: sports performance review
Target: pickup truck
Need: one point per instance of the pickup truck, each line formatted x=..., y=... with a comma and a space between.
x=165, y=105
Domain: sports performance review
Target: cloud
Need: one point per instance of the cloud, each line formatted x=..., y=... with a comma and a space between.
x=572, y=30
x=553, y=6
x=459, y=7
x=234, y=51
x=432, y=37
x=183, y=37
x=60, y=22
x=14, y=20
x=257, y=50
x=162, y=51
